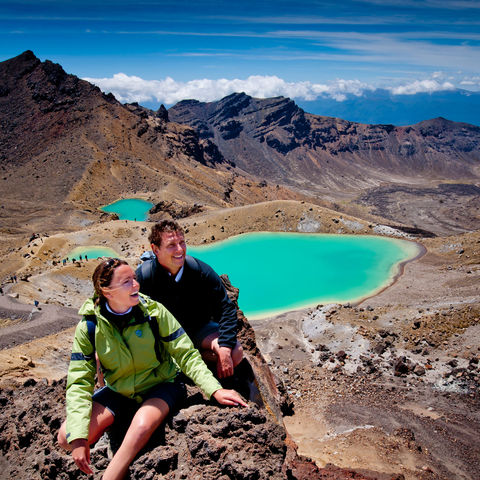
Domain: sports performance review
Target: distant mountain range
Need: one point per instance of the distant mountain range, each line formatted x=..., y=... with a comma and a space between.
x=400, y=173
x=276, y=140
x=381, y=106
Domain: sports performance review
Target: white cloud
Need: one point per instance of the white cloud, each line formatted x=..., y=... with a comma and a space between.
x=421, y=86
x=129, y=89
x=470, y=82
x=135, y=89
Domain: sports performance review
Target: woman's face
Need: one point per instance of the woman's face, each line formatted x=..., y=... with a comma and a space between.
x=122, y=293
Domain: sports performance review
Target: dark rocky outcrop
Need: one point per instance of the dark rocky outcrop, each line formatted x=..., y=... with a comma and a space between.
x=162, y=113
x=174, y=210
x=201, y=441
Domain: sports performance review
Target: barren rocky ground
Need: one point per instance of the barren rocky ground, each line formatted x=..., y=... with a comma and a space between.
x=390, y=384
x=387, y=388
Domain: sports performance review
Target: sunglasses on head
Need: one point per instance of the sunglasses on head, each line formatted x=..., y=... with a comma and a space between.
x=110, y=262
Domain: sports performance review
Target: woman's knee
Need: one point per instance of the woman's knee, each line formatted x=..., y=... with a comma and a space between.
x=141, y=431
x=145, y=429
x=150, y=416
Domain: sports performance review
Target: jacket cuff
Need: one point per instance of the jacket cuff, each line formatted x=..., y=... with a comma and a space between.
x=212, y=387
x=227, y=343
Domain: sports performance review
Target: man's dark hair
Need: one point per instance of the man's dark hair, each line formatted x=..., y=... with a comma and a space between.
x=155, y=236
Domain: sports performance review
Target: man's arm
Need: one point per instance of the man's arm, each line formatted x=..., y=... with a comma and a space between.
x=225, y=312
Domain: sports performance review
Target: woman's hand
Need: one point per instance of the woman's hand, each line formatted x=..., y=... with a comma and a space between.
x=81, y=455
x=229, y=397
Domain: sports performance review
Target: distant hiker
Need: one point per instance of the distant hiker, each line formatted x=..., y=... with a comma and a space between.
x=80, y=257
x=86, y=258
x=1, y=290
x=35, y=302
x=73, y=260
x=142, y=349
x=194, y=294
x=64, y=261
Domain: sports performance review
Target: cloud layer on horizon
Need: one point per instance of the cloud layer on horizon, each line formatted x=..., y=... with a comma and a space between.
x=128, y=89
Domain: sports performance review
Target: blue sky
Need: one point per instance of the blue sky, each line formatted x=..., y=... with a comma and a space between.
x=164, y=51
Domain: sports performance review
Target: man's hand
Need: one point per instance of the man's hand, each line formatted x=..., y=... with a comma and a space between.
x=224, y=362
x=81, y=455
x=229, y=397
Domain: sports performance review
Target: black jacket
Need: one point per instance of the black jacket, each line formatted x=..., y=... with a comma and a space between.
x=198, y=298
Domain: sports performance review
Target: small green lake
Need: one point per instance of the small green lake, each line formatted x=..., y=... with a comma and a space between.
x=92, y=252
x=277, y=272
x=129, y=209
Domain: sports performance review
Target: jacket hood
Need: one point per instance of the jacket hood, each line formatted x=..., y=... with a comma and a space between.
x=88, y=307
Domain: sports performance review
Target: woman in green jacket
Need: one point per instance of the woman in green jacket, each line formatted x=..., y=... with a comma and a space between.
x=140, y=369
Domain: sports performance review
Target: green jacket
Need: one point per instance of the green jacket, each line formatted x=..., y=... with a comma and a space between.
x=129, y=361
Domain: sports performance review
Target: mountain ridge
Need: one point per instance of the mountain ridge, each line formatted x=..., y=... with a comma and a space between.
x=64, y=142
x=275, y=138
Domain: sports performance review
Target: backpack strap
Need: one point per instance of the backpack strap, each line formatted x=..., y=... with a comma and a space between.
x=154, y=326
x=147, y=271
x=91, y=326
x=192, y=262
x=153, y=323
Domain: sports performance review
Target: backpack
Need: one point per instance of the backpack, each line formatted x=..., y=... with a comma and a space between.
x=92, y=325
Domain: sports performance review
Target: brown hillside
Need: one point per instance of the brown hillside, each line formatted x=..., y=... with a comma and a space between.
x=67, y=146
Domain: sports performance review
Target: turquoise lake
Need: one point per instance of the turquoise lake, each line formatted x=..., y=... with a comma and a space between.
x=277, y=272
x=92, y=252
x=130, y=209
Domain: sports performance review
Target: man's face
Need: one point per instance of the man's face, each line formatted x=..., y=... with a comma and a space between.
x=172, y=251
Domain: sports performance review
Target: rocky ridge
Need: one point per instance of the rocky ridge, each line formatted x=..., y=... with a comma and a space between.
x=276, y=140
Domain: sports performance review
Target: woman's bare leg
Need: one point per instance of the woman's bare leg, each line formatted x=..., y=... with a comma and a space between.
x=100, y=420
x=147, y=419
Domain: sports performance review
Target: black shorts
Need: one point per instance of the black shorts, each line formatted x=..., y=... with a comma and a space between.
x=173, y=393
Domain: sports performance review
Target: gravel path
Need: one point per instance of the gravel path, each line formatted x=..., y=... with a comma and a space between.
x=30, y=322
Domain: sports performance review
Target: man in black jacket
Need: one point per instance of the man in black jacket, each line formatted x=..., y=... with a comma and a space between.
x=194, y=294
